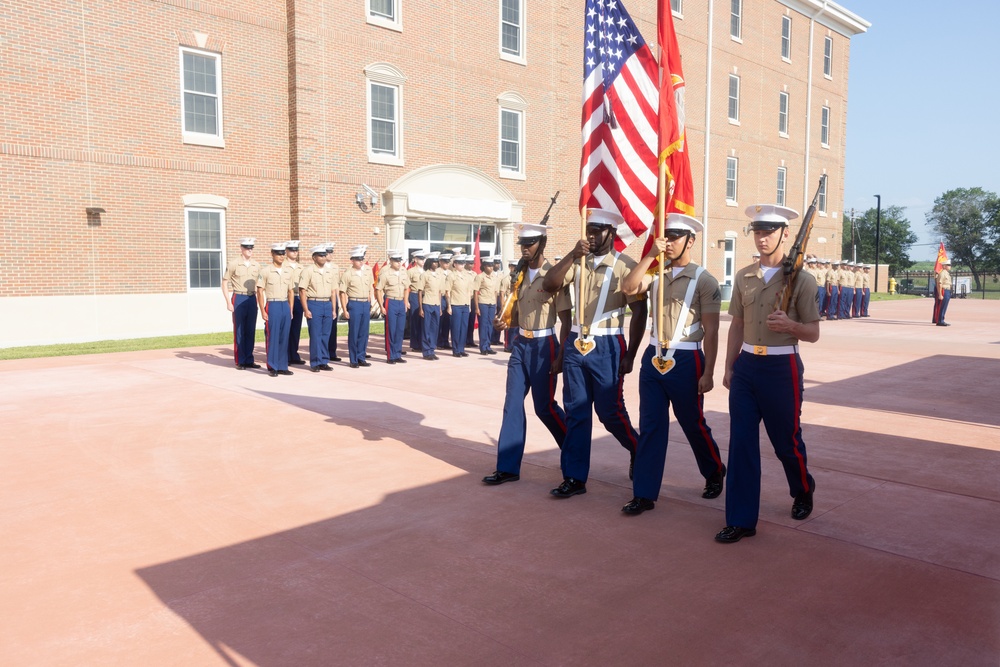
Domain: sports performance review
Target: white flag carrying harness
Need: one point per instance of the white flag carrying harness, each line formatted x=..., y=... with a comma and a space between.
x=586, y=341
x=664, y=361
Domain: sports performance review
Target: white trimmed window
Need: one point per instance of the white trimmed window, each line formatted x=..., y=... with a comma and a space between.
x=201, y=95
x=821, y=204
x=206, y=231
x=828, y=57
x=824, y=127
x=736, y=20
x=677, y=7
x=734, y=99
x=732, y=167
x=385, y=13
x=512, y=107
x=783, y=114
x=779, y=198
x=786, y=37
x=512, y=30
x=385, y=109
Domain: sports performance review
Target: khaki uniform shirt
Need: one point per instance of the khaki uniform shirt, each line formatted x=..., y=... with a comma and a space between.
x=831, y=277
x=319, y=283
x=859, y=280
x=485, y=287
x=432, y=286
x=296, y=272
x=242, y=277
x=275, y=281
x=612, y=269
x=413, y=275
x=944, y=279
x=459, y=286
x=393, y=284
x=866, y=283
x=754, y=301
x=535, y=308
x=357, y=283
x=707, y=299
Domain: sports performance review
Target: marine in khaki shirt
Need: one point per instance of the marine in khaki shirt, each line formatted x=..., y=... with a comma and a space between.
x=431, y=287
x=459, y=286
x=274, y=283
x=392, y=284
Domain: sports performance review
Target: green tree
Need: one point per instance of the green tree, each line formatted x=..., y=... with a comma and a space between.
x=895, y=238
x=968, y=221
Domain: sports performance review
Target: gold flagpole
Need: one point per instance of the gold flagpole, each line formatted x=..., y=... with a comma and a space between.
x=583, y=345
x=661, y=217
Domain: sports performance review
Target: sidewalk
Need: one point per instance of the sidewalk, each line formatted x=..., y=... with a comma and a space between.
x=162, y=508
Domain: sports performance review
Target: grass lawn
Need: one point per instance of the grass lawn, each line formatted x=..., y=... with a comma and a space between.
x=158, y=343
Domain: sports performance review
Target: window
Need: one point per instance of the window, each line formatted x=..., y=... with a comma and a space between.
x=779, y=198
x=786, y=37
x=783, y=114
x=736, y=19
x=824, y=128
x=512, y=108
x=385, y=94
x=385, y=13
x=828, y=57
x=204, y=241
x=677, y=7
x=821, y=206
x=510, y=141
x=512, y=30
x=732, y=165
x=201, y=90
x=734, y=98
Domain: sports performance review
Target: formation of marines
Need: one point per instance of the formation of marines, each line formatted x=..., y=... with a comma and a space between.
x=569, y=318
x=843, y=287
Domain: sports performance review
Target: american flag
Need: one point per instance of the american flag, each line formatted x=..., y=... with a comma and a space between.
x=618, y=168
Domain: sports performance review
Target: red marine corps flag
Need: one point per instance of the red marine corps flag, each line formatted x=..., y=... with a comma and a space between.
x=941, y=259
x=620, y=98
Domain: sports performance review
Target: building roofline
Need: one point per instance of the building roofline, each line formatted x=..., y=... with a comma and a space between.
x=830, y=14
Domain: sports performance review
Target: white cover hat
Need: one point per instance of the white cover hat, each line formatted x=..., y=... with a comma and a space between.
x=529, y=231
x=600, y=216
x=684, y=223
x=770, y=216
x=248, y=241
x=358, y=251
x=275, y=247
x=319, y=250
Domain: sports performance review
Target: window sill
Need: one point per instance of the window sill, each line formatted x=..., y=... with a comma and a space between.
x=511, y=58
x=394, y=160
x=733, y=122
x=388, y=24
x=730, y=202
x=512, y=175
x=786, y=59
x=738, y=40
x=826, y=146
x=204, y=139
x=828, y=77
x=677, y=15
x=783, y=135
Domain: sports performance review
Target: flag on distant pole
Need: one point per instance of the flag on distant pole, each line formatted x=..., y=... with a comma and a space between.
x=618, y=167
x=941, y=258
x=476, y=268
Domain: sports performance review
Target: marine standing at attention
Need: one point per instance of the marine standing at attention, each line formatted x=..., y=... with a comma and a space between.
x=274, y=295
x=239, y=287
x=392, y=291
x=357, y=294
x=317, y=294
x=764, y=375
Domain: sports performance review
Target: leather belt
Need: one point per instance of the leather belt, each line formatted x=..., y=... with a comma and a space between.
x=276, y=300
x=536, y=333
x=363, y=300
x=676, y=346
x=389, y=298
x=318, y=298
x=765, y=350
x=601, y=331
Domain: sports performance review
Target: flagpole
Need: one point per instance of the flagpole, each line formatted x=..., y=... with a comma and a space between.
x=661, y=196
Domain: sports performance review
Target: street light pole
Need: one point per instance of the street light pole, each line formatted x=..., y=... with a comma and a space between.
x=854, y=240
x=878, y=235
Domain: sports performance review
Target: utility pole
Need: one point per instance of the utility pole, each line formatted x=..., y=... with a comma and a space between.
x=878, y=235
x=854, y=240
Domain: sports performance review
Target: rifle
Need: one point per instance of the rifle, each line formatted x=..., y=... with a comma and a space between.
x=792, y=264
x=517, y=275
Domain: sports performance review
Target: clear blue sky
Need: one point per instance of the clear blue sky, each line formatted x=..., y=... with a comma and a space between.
x=923, y=105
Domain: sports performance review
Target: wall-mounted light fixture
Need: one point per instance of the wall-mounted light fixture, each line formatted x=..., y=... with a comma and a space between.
x=367, y=200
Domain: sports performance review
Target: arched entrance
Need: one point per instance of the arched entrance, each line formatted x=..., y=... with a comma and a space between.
x=445, y=205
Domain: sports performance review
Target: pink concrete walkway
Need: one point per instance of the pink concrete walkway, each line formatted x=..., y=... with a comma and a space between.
x=162, y=508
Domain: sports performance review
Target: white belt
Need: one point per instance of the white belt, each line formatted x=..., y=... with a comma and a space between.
x=764, y=350
x=601, y=331
x=536, y=333
x=676, y=346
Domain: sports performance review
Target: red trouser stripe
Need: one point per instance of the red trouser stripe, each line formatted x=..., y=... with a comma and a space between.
x=236, y=349
x=797, y=408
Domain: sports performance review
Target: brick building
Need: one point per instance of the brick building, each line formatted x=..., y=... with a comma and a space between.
x=142, y=139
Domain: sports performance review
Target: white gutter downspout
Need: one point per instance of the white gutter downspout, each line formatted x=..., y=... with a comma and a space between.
x=809, y=93
x=708, y=138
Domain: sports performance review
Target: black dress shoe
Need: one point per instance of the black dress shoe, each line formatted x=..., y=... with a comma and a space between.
x=464, y=354
x=944, y=324
x=434, y=357
x=403, y=353
x=499, y=477
x=325, y=367
x=803, y=506
x=240, y=367
x=297, y=362
x=491, y=351
x=455, y=354
x=353, y=365
x=285, y=372
x=252, y=366
x=638, y=505
x=272, y=373
x=569, y=487
x=314, y=369
x=390, y=361
x=400, y=361
x=335, y=359
x=731, y=534
x=484, y=352
x=364, y=363
x=713, y=485
x=631, y=465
